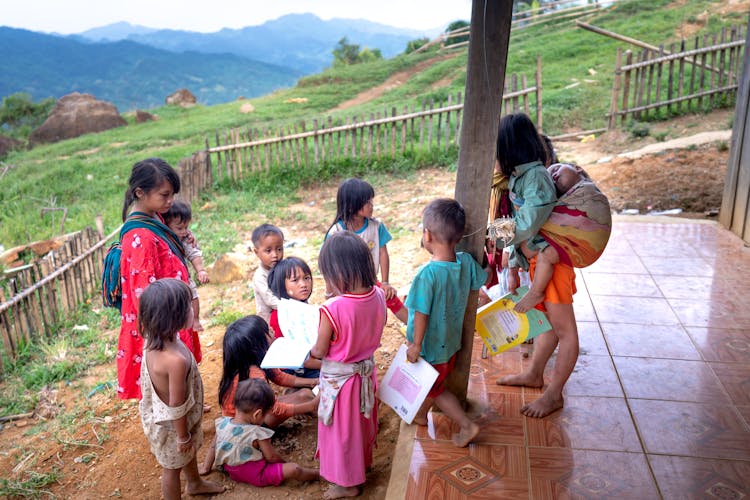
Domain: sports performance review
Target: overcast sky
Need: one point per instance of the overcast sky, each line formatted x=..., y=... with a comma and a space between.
x=75, y=16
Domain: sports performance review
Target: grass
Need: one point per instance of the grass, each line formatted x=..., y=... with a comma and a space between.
x=31, y=487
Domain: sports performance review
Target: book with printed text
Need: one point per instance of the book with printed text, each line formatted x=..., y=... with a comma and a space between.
x=299, y=323
x=405, y=385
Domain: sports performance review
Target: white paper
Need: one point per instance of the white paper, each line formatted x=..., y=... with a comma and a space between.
x=405, y=385
x=299, y=323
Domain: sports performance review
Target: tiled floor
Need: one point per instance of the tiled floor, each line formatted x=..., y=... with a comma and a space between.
x=659, y=403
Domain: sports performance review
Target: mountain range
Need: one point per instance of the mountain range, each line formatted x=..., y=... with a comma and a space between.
x=137, y=67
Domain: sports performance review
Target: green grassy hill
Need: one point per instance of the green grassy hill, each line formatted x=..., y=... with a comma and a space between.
x=88, y=175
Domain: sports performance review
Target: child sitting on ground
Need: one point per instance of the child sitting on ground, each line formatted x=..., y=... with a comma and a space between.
x=268, y=246
x=178, y=219
x=172, y=404
x=245, y=345
x=291, y=278
x=577, y=229
x=436, y=302
x=354, y=207
x=242, y=446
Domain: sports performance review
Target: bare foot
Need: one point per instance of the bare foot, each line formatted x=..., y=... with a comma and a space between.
x=204, y=488
x=543, y=406
x=528, y=301
x=206, y=408
x=336, y=491
x=525, y=379
x=463, y=437
x=197, y=325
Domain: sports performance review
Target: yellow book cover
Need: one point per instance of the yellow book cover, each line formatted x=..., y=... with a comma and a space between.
x=501, y=328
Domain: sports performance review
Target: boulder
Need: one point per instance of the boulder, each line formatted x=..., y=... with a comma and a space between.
x=182, y=97
x=229, y=267
x=143, y=116
x=74, y=115
x=8, y=144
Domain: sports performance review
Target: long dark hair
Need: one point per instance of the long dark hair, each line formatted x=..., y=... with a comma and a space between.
x=346, y=262
x=163, y=311
x=518, y=142
x=281, y=271
x=245, y=344
x=149, y=174
x=352, y=195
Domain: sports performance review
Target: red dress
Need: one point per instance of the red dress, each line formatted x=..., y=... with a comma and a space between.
x=145, y=258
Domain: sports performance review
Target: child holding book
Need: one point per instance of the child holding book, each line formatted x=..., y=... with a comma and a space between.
x=351, y=325
x=437, y=302
x=171, y=406
x=242, y=446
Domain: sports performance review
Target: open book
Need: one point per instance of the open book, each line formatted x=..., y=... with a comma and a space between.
x=299, y=323
x=501, y=328
x=405, y=385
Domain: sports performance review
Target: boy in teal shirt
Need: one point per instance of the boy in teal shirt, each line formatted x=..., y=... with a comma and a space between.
x=436, y=302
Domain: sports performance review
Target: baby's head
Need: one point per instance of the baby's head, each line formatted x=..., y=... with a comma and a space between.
x=178, y=218
x=165, y=308
x=346, y=263
x=268, y=245
x=445, y=219
x=566, y=176
x=291, y=278
x=254, y=398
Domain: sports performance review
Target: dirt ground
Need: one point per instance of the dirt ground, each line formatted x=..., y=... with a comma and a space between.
x=96, y=445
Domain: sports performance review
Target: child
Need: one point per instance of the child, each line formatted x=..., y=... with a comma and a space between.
x=268, y=245
x=291, y=278
x=351, y=324
x=577, y=230
x=245, y=345
x=244, y=446
x=437, y=301
x=354, y=213
x=172, y=404
x=178, y=219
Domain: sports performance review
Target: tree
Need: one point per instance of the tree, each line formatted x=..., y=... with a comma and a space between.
x=345, y=53
x=19, y=114
x=457, y=25
x=415, y=44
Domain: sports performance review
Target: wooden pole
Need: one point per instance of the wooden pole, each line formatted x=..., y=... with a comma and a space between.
x=485, y=73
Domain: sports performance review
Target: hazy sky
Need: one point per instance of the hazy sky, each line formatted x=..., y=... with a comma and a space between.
x=74, y=16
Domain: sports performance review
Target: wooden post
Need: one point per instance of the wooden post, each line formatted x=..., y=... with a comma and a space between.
x=488, y=54
x=538, y=79
x=615, y=91
x=626, y=87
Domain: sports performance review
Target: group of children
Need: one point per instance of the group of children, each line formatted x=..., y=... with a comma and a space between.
x=341, y=363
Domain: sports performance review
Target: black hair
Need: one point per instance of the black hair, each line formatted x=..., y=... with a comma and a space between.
x=180, y=211
x=346, y=262
x=253, y=394
x=518, y=142
x=264, y=230
x=281, y=271
x=549, y=149
x=445, y=219
x=352, y=195
x=245, y=344
x=163, y=311
x=147, y=175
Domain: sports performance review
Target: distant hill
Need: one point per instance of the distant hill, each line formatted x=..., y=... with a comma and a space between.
x=300, y=41
x=126, y=73
x=114, y=32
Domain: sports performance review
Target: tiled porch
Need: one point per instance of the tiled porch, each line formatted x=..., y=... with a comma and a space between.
x=658, y=405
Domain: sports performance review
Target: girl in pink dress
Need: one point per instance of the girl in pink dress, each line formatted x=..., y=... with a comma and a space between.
x=351, y=324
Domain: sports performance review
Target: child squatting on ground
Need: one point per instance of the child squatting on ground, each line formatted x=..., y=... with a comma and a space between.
x=171, y=408
x=354, y=209
x=437, y=302
x=351, y=324
x=243, y=446
x=268, y=246
x=178, y=219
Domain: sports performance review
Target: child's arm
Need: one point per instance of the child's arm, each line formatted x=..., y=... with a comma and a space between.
x=208, y=462
x=385, y=267
x=420, y=327
x=176, y=369
x=198, y=266
x=325, y=335
x=269, y=453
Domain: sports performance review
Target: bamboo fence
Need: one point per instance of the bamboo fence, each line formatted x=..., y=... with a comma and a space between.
x=685, y=77
x=383, y=135
x=34, y=298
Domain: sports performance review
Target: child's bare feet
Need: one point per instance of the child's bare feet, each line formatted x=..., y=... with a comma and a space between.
x=543, y=406
x=525, y=379
x=336, y=491
x=464, y=436
x=206, y=408
x=204, y=487
x=528, y=301
x=203, y=469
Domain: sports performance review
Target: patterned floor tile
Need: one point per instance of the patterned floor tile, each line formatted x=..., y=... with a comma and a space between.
x=736, y=380
x=716, y=344
x=698, y=478
x=593, y=376
x=649, y=341
x=635, y=310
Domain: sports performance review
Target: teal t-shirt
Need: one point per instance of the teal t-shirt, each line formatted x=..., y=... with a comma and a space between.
x=440, y=290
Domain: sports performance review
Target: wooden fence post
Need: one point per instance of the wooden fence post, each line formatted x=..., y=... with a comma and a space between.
x=615, y=91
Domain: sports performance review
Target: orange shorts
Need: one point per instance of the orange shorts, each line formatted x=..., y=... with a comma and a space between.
x=561, y=287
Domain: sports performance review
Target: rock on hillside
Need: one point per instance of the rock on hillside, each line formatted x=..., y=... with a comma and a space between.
x=74, y=115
